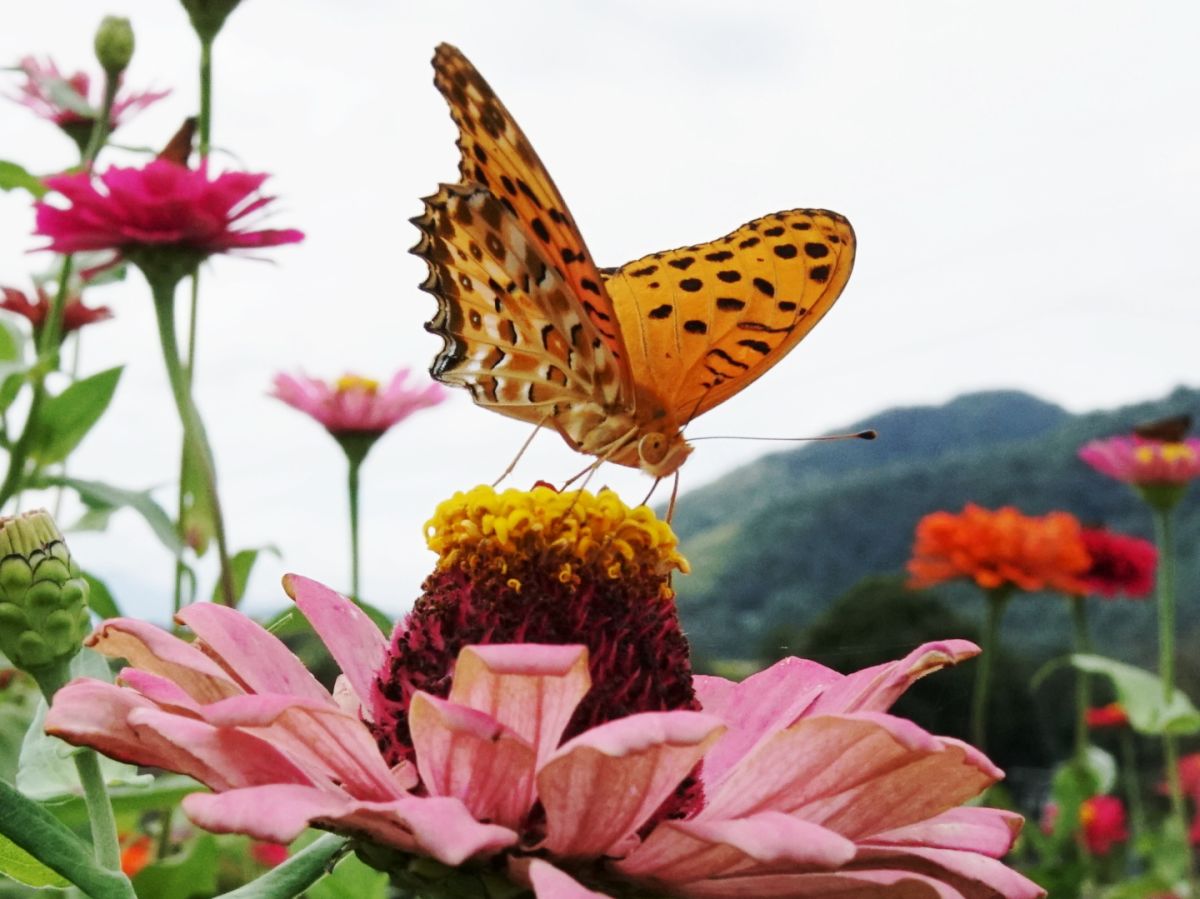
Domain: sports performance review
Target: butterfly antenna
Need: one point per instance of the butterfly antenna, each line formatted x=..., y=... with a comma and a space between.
x=520, y=452
x=868, y=434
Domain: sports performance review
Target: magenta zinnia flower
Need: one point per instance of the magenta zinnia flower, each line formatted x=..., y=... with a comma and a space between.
x=75, y=314
x=357, y=405
x=516, y=760
x=161, y=206
x=1120, y=564
x=1140, y=461
x=65, y=101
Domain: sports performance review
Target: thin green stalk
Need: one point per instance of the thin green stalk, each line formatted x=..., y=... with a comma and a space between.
x=193, y=427
x=355, y=465
x=20, y=452
x=997, y=600
x=100, y=129
x=204, y=126
x=1131, y=782
x=1164, y=533
x=105, y=842
x=1083, y=645
x=189, y=367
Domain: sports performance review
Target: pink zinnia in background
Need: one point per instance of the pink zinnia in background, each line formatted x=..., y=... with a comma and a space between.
x=65, y=100
x=1144, y=462
x=75, y=314
x=161, y=205
x=1120, y=564
x=356, y=405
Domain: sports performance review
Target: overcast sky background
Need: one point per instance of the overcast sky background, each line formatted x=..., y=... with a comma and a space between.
x=1022, y=177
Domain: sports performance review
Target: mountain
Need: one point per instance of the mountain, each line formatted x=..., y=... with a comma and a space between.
x=775, y=542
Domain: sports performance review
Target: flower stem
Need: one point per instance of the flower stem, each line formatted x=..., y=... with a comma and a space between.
x=1164, y=534
x=100, y=129
x=105, y=841
x=189, y=368
x=15, y=475
x=193, y=429
x=204, y=126
x=1083, y=644
x=355, y=465
x=1129, y=776
x=997, y=600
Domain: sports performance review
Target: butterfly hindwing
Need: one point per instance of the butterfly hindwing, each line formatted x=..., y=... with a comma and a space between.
x=497, y=155
x=703, y=322
x=512, y=336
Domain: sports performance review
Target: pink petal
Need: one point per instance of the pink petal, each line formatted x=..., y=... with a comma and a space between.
x=878, y=884
x=161, y=691
x=757, y=707
x=875, y=689
x=257, y=658
x=469, y=755
x=549, y=882
x=353, y=639
x=223, y=758
x=683, y=851
x=974, y=875
x=989, y=831
x=439, y=827
x=93, y=713
x=152, y=649
x=626, y=767
x=857, y=774
x=532, y=689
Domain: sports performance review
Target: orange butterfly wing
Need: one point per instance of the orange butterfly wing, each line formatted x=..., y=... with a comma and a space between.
x=497, y=155
x=703, y=322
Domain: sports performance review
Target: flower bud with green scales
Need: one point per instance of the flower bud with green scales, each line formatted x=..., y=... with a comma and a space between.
x=43, y=598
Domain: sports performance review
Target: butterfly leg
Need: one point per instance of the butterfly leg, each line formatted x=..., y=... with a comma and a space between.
x=674, y=496
x=653, y=487
x=520, y=453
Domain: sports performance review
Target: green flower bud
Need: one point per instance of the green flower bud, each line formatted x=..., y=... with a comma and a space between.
x=209, y=15
x=43, y=596
x=114, y=45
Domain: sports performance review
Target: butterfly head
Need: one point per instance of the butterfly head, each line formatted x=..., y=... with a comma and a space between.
x=660, y=455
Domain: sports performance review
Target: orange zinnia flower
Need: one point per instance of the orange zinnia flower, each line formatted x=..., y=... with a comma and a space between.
x=1000, y=548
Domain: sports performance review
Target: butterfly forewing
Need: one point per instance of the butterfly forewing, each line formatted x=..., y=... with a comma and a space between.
x=512, y=336
x=497, y=155
x=702, y=322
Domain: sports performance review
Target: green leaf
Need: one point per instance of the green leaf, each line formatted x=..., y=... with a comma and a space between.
x=165, y=792
x=192, y=872
x=1141, y=694
x=12, y=341
x=15, y=177
x=100, y=598
x=199, y=518
x=295, y=875
x=12, y=377
x=101, y=495
x=34, y=829
x=64, y=420
x=22, y=867
x=242, y=564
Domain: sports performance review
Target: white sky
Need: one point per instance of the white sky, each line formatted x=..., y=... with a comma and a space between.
x=1022, y=176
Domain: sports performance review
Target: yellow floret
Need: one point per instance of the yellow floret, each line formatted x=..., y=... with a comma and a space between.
x=594, y=530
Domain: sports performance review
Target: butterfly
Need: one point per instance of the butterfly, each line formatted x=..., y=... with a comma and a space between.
x=1169, y=430
x=617, y=360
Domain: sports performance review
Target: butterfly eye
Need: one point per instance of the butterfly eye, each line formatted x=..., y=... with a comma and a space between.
x=652, y=448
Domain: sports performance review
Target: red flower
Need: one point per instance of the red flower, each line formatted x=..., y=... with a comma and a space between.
x=1120, y=564
x=162, y=205
x=1103, y=820
x=65, y=102
x=75, y=314
x=269, y=854
x=1111, y=715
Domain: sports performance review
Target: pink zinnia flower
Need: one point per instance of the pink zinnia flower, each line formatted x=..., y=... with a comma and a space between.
x=794, y=783
x=357, y=405
x=161, y=206
x=1144, y=462
x=65, y=101
x=75, y=314
x=1120, y=564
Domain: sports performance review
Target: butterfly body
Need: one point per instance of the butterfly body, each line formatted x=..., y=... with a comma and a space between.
x=618, y=361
